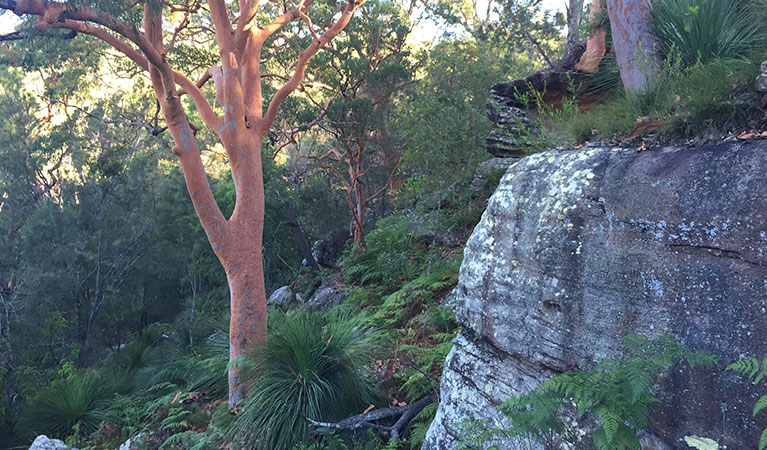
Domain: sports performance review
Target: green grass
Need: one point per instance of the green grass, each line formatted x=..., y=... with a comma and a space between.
x=711, y=97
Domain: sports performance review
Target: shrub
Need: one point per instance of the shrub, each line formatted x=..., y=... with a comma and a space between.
x=313, y=365
x=75, y=405
x=702, y=30
x=203, y=369
x=386, y=256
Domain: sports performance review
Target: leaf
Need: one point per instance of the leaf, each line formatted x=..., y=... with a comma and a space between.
x=760, y=404
x=763, y=440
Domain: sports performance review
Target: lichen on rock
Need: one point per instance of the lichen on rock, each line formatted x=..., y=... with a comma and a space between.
x=578, y=248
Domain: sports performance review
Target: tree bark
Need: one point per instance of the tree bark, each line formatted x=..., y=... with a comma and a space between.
x=574, y=14
x=634, y=44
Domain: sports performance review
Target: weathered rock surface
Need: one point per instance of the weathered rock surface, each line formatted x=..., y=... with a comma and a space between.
x=43, y=442
x=486, y=169
x=283, y=296
x=761, y=80
x=330, y=293
x=327, y=250
x=578, y=248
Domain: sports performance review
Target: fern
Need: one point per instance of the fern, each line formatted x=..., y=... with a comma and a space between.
x=617, y=392
x=755, y=371
x=421, y=423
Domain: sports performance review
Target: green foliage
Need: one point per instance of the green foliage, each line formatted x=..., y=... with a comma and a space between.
x=755, y=371
x=386, y=257
x=203, y=369
x=703, y=99
x=404, y=303
x=703, y=30
x=543, y=132
x=68, y=406
x=617, y=392
x=313, y=365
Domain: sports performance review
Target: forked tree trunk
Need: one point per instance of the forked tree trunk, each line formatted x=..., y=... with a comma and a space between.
x=237, y=241
x=634, y=44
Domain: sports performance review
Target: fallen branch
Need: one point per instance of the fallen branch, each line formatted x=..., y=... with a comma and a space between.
x=368, y=420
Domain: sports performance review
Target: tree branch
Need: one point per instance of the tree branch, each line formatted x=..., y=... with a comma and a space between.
x=204, y=108
x=368, y=420
x=303, y=60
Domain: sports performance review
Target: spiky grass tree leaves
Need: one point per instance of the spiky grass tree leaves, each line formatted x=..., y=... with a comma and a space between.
x=69, y=406
x=312, y=365
x=618, y=392
x=701, y=30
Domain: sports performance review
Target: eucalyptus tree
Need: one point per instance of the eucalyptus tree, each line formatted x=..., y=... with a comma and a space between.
x=147, y=33
x=349, y=104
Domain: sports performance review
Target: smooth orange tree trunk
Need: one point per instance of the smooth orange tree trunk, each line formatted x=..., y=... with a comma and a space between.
x=236, y=241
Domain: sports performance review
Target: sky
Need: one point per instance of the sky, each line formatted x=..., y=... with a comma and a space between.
x=426, y=31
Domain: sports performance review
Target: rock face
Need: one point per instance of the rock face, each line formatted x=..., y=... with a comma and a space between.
x=283, y=296
x=486, y=169
x=330, y=293
x=578, y=248
x=326, y=251
x=761, y=80
x=43, y=442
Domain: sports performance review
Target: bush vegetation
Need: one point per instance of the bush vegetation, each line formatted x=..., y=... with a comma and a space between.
x=314, y=365
x=113, y=269
x=618, y=392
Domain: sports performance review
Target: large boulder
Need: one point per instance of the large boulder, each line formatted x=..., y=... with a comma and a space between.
x=487, y=169
x=579, y=248
x=43, y=442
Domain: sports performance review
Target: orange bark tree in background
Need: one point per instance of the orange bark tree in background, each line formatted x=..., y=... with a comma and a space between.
x=236, y=241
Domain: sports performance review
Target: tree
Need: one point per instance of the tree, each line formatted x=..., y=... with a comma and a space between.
x=236, y=241
x=362, y=76
x=634, y=44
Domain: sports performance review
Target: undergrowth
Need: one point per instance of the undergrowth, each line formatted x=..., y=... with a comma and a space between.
x=313, y=365
x=618, y=393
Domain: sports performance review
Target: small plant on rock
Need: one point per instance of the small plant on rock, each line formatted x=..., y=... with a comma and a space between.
x=755, y=371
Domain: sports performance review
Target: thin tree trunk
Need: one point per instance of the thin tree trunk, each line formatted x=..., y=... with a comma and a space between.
x=574, y=14
x=633, y=42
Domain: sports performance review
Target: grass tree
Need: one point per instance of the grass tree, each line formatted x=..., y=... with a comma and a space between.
x=146, y=32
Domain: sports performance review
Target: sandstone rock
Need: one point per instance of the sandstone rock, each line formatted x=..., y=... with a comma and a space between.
x=43, y=442
x=578, y=248
x=330, y=293
x=486, y=168
x=327, y=250
x=761, y=80
x=282, y=297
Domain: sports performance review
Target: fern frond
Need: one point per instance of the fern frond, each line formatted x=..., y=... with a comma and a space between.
x=760, y=404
